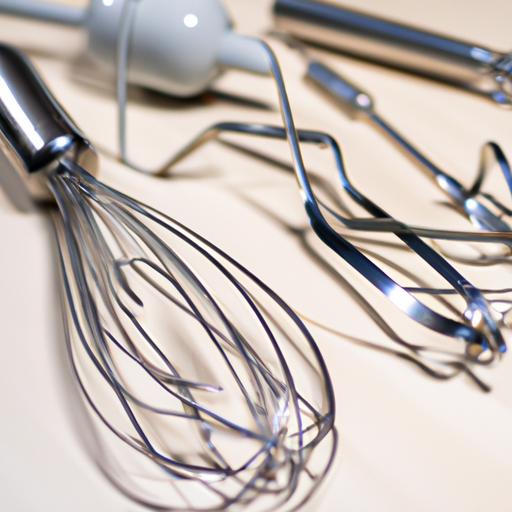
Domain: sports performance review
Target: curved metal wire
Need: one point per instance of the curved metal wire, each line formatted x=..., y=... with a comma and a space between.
x=465, y=200
x=493, y=296
x=438, y=364
x=187, y=357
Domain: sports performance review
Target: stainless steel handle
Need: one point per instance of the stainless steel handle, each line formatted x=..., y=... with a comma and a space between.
x=460, y=63
x=35, y=131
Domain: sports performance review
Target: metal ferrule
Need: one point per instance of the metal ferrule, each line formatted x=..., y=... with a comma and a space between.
x=35, y=131
x=460, y=63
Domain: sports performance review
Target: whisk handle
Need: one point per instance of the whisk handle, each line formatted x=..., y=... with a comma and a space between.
x=447, y=59
x=35, y=131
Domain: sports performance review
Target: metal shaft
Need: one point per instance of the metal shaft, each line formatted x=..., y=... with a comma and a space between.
x=457, y=62
x=35, y=131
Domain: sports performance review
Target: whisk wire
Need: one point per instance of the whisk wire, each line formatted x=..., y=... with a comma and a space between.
x=96, y=288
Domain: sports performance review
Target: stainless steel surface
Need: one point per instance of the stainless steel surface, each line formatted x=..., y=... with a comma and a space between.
x=457, y=62
x=35, y=131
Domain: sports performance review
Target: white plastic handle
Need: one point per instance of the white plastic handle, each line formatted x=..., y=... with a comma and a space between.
x=176, y=46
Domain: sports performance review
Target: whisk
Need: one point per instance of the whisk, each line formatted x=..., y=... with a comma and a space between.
x=485, y=341
x=182, y=354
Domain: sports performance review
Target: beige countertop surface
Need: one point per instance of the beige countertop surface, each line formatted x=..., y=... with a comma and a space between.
x=406, y=442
